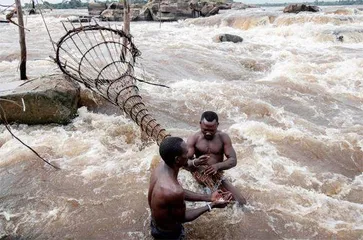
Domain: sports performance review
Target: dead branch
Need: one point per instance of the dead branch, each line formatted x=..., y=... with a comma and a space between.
x=6, y=124
x=10, y=15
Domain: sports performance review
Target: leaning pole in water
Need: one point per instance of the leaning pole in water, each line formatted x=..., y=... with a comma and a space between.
x=102, y=59
x=22, y=66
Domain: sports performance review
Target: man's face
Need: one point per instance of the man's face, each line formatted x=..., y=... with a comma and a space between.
x=208, y=129
x=183, y=159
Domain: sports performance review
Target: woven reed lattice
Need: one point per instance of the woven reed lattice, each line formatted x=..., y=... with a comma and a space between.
x=103, y=58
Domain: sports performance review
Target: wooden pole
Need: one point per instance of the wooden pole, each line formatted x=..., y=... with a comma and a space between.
x=126, y=27
x=126, y=17
x=32, y=10
x=21, y=41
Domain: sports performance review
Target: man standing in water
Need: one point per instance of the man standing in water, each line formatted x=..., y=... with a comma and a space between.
x=209, y=146
x=167, y=197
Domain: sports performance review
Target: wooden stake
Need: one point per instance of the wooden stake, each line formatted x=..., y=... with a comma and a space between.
x=21, y=41
x=126, y=27
x=126, y=17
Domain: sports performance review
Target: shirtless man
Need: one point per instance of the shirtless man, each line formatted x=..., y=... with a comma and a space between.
x=209, y=146
x=167, y=197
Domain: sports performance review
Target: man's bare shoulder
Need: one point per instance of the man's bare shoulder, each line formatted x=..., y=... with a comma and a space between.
x=224, y=136
x=171, y=192
x=194, y=137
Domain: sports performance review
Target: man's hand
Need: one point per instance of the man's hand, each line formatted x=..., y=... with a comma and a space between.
x=220, y=195
x=202, y=160
x=216, y=195
x=221, y=199
x=227, y=196
x=221, y=203
x=211, y=170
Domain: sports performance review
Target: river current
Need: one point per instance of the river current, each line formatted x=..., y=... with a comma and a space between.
x=290, y=96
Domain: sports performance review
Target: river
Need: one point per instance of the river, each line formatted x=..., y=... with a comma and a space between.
x=290, y=96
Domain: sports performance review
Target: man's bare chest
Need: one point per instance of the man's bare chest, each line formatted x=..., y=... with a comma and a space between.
x=209, y=147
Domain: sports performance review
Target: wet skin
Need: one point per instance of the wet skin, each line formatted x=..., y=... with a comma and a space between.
x=167, y=198
x=210, y=146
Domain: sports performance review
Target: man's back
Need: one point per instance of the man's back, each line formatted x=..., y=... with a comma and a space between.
x=166, y=199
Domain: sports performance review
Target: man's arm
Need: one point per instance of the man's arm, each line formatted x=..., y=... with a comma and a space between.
x=191, y=151
x=229, y=152
x=195, y=197
x=178, y=210
x=192, y=214
x=190, y=145
x=193, y=162
x=176, y=204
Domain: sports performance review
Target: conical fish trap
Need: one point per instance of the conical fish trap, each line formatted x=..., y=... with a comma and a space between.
x=103, y=60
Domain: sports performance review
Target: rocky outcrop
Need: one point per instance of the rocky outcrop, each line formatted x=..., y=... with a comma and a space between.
x=51, y=99
x=224, y=6
x=239, y=6
x=115, y=12
x=96, y=8
x=161, y=10
x=296, y=8
x=203, y=9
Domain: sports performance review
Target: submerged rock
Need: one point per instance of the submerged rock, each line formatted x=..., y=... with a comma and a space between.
x=228, y=38
x=296, y=8
x=51, y=99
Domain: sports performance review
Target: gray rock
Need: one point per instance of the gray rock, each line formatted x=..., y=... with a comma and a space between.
x=96, y=103
x=115, y=12
x=228, y=38
x=95, y=9
x=158, y=10
x=51, y=99
x=296, y=8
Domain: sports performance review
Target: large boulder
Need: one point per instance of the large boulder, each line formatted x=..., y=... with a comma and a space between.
x=296, y=8
x=51, y=99
x=96, y=103
x=115, y=12
x=166, y=10
x=203, y=8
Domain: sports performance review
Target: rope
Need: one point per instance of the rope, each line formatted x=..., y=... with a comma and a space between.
x=154, y=84
x=46, y=27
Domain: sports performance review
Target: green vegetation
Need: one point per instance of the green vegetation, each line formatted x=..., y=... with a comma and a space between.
x=68, y=4
x=65, y=4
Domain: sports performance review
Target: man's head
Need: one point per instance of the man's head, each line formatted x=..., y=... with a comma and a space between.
x=209, y=124
x=173, y=150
